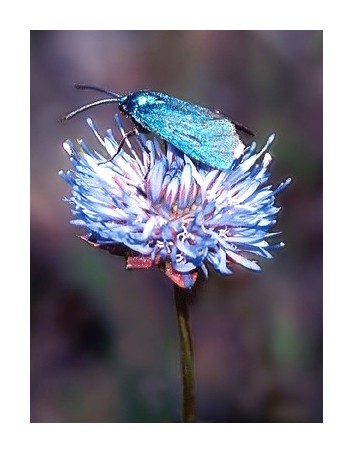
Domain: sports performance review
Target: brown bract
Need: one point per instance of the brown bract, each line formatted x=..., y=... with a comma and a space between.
x=137, y=261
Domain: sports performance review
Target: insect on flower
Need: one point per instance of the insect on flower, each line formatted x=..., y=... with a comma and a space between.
x=163, y=209
x=205, y=135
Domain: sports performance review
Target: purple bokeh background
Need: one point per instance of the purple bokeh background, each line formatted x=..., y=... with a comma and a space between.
x=104, y=344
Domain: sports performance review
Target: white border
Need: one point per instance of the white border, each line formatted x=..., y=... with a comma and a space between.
x=17, y=432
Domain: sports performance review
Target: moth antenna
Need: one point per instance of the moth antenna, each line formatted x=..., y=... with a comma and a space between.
x=88, y=106
x=80, y=86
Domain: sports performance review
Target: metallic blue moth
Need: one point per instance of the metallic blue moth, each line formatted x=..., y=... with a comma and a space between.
x=205, y=135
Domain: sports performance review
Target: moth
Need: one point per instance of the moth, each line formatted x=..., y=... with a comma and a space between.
x=206, y=135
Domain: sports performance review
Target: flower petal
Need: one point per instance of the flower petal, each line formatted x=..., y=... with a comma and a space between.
x=170, y=211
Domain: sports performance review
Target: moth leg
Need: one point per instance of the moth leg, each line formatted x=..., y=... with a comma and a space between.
x=165, y=146
x=121, y=144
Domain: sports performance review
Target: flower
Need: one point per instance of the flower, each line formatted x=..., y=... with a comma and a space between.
x=162, y=208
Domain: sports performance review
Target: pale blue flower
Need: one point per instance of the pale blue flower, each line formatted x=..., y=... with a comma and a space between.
x=172, y=211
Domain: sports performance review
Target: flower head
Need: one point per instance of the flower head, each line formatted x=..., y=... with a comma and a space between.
x=162, y=208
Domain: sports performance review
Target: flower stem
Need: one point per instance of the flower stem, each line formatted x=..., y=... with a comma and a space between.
x=187, y=360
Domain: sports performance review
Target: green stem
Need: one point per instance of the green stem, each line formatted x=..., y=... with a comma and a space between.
x=187, y=360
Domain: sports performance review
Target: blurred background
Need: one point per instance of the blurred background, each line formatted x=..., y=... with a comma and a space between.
x=104, y=345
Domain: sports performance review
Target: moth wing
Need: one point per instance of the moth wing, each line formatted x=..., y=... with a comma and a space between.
x=216, y=145
x=202, y=134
